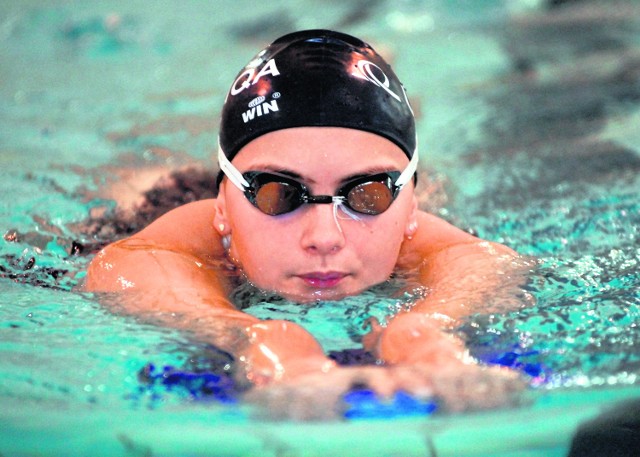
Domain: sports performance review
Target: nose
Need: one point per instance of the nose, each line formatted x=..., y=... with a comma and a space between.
x=322, y=234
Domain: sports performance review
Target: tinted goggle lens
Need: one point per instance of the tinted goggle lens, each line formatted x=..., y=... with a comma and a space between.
x=275, y=198
x=370, y=198
x=274, y=195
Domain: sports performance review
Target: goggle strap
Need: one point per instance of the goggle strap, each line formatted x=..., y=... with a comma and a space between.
x=338, y=202
x=408, y=172
x=241, y=183
x=231, y=172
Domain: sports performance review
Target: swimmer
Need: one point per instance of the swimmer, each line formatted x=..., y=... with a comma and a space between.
x=318, y=158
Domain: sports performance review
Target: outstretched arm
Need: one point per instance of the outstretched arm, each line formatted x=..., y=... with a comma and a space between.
x=462, y=272
x=173, y=273
x=463, y=275
x=421, y=356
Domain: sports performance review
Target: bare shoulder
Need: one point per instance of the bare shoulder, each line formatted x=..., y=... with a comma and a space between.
x=188, y=228
x=438, y=234
x=179, y=247
x=435, y=235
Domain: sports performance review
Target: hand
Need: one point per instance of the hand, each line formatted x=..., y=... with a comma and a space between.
x=371, y=340
x=320, y=396
x=279, y=351
x=415, y=338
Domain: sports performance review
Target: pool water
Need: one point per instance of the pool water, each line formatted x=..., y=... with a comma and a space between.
x=528, y=117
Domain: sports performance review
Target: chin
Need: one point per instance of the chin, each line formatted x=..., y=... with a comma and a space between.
x=329, y=294
x=296, y=293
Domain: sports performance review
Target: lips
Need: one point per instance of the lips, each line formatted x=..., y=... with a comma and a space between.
x=323, y=280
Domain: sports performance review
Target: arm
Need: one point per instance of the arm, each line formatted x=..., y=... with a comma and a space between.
x=172, y=272
x=462, y=272
x=463, y=275
x=421, y=357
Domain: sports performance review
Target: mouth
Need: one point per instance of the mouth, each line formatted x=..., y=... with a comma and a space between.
x=323, y=280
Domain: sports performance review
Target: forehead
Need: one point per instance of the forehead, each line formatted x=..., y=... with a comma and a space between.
x=329, y=151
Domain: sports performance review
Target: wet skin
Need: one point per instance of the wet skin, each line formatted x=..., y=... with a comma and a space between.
x=311, y=253
x=171, y=271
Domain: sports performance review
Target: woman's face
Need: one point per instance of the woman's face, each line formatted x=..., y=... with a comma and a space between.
x=308, y=254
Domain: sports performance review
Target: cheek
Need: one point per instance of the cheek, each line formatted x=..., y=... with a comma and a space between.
x=258, y=247
x=392, y=230
x=378, y=248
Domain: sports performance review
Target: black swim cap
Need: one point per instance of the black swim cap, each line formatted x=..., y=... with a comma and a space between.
x=316, y=78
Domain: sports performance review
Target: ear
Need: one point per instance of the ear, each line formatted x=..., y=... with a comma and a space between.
x=412, y=221
x=221, y=218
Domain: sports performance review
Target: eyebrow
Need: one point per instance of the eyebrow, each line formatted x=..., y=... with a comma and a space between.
x=286, y=172
x=367, y=172
x=298, y=177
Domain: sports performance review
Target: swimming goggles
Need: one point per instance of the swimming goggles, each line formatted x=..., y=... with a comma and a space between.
x=275, y=194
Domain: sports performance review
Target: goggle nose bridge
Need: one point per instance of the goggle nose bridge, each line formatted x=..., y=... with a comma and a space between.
x=321, y=199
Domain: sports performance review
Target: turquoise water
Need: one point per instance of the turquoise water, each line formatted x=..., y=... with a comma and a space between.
x=528, y=130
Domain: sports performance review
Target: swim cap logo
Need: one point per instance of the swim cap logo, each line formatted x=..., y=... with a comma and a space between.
x=259, y=107
x=249, y=77
x=256, y=101
x=373, y=73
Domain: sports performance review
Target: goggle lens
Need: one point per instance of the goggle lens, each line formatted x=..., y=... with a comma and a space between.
x=370, y=198
x=274, y=198
x=275, y=194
